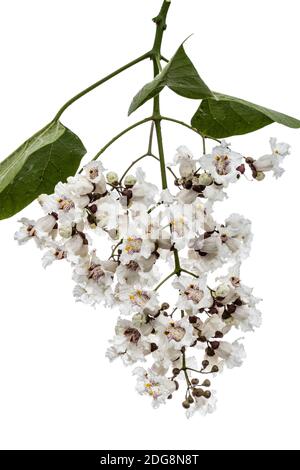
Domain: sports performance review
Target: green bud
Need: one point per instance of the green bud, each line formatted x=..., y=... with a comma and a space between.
x=130, y=181
x=112, y=177
x=222, y=291
x=205, y=179
x=260, y=176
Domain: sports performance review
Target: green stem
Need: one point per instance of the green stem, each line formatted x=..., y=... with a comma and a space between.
x=165, y=280
x=160, y=21
x=161, y=26
x=181, y=123
x=184, y=124
x=168, y=167
x=100, y=82
x=132, y=164
x=115, y=248
x=183, y=367
x=151, y=138
x=204, y=145
x=177, y=262
x=190, y=273
x=114, y=139
x=161, y=154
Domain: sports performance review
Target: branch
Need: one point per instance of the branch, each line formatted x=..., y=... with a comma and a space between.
x=100, y=82
x=125, y=131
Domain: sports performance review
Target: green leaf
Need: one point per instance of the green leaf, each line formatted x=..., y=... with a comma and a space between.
x=226, y=116
x=180, y=76
x=50, y=156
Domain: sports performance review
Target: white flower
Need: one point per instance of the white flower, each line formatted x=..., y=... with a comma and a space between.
x=79, y=185
x=186, y=196
x=156, y=386
x=184, y=158
x=136, y=299
x=182, y=154
x=203, y=405
x=26, y=231
x=45, y=226
x=176, y=334
x=129, y=343
x=223, y=164
x=94, y=273
x=271, y=162
x=206, y=252
x=247, y=318
x=214, y=193
x=194, y=293
x=143, y=192
x=211, y=326
x=93, y=294
x=94, y=172
x=236, y=235
x=66, y=204
x=77, y=246
x=135, y=247
x=55, y=254
x=41, y=230
x=232, y=353
x=166, y=197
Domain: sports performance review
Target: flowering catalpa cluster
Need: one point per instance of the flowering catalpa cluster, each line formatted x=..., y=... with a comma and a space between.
x=155, y=238
x=151, y=238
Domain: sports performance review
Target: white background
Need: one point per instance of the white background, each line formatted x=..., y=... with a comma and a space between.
x=57, y=389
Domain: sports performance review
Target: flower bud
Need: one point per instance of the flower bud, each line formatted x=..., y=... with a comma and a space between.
x=210, y=352
x=112, y=178
x=130, y=181
x=222, y=291
x=198, y=392
x=65, y=231
x=207, y=394
x=165, y=306
x=190, y=400
x=205, y=179
x=93, y=208
x=186, y=404
x=139, y=319
x=188, y=184
x=206, y=383
x=195, y=381
x=202, y=339
x=260, y=176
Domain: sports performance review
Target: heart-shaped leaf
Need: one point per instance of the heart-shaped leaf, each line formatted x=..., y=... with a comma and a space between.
x=226, y=116
x=51, y=155
x=180, y=76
